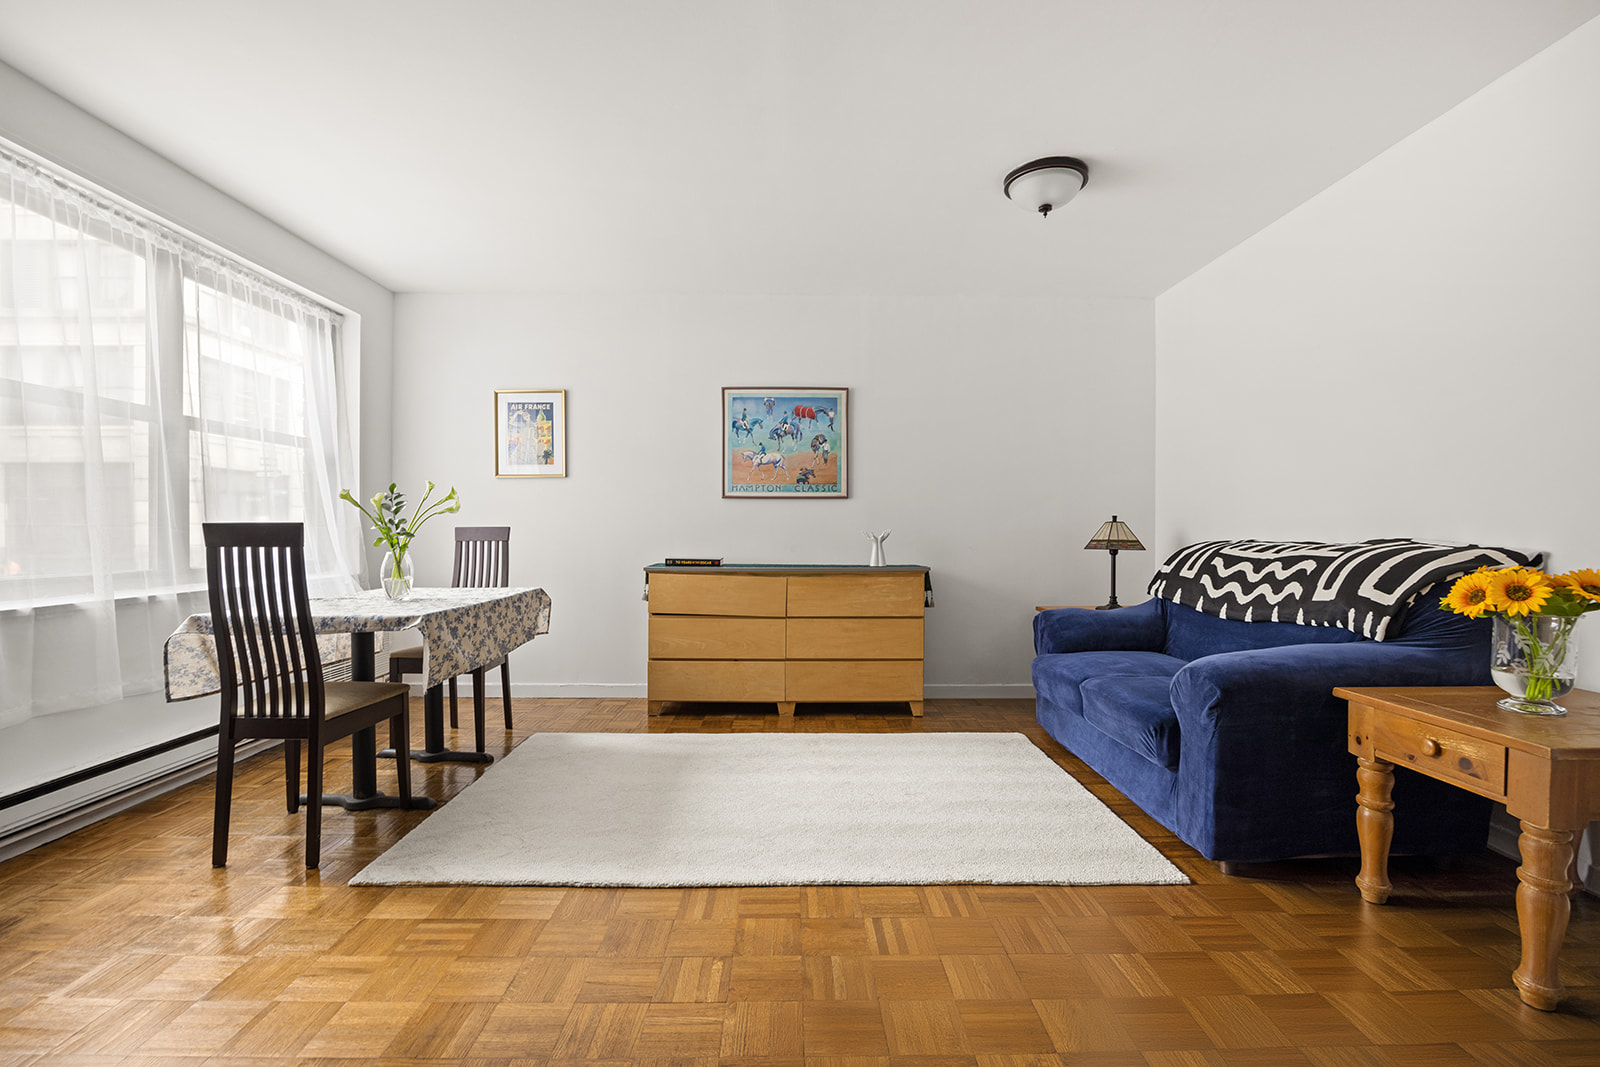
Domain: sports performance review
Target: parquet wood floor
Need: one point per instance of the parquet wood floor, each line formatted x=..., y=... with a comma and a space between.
x=119, y=945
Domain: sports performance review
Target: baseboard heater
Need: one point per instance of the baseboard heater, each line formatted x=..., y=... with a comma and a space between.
x=58, y=824
x=67, y=781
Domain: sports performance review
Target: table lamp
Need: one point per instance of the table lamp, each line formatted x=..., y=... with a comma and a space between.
x=1114, y=537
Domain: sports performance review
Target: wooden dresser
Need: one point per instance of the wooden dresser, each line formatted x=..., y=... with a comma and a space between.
x=786, y=633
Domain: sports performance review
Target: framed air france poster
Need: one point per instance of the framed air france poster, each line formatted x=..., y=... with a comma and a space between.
x=785, y=443
x=530, y=433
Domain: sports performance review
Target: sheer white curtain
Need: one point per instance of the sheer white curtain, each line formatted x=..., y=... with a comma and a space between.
x=147, y=384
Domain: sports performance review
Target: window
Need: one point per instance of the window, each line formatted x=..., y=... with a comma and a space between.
x=147, y=384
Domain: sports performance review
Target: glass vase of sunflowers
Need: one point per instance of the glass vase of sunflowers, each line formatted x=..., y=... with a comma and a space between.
x=1534, y=649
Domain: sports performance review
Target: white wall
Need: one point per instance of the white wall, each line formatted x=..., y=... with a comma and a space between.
x=1414, y=352
x=992, y=436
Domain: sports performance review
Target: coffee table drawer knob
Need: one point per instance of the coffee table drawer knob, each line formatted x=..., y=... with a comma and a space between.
x=1430, y=747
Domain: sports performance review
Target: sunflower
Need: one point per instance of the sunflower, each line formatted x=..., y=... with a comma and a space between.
x=1584, y=583
x=1518, y=591
x=1469, y=596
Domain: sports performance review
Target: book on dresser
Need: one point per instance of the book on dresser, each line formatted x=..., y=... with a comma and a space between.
x=786, y=634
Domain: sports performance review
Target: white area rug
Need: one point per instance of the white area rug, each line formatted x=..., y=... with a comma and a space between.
x=773, y=809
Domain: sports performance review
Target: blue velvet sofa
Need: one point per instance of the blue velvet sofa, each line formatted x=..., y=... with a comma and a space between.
x=1227, y=732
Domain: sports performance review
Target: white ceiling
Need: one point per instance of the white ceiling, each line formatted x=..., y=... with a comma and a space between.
x=772, y=146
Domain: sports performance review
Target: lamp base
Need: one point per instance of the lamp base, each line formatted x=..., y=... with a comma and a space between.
x=1108, y=607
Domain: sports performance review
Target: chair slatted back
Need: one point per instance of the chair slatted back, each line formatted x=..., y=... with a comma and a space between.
x=261, y=619
x=483, y=557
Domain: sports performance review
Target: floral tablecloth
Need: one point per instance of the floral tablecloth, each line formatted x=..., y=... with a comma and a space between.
x=460, y=629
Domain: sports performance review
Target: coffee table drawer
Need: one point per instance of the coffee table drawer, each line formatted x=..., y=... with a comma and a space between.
x=1455, y=757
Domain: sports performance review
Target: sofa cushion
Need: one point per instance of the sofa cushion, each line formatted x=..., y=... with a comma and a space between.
x=1141, y=628
x=1135, y=712
x=1193, y=634
x=1058, y=676
x=1431, y=626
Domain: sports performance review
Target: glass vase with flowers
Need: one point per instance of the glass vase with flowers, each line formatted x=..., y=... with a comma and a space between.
x=1534, y=649
x=395, y=531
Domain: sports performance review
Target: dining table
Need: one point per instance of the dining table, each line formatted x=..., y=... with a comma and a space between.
x=461, y=629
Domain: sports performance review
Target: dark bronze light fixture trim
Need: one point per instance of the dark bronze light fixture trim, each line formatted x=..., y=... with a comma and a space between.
x=1049, y=163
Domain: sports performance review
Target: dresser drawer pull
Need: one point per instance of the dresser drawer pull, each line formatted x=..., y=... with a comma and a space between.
x=1430, y=747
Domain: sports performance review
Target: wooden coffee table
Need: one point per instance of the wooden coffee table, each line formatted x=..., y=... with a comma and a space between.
x=1545, y=770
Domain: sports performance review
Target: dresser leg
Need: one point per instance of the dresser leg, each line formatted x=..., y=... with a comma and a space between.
x=656, y=706
x=1542, y=912
x=1374, y=827
x=916, y=707
x=786, y=708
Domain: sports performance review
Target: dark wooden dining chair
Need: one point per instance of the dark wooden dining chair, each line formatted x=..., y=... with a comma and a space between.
x=483, y=561
x=272, y=684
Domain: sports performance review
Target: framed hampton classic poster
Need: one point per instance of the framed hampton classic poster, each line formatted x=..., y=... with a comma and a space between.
x=530, y=433
x=785, y=443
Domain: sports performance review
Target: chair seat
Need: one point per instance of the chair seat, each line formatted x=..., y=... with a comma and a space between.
x=341, y=698
x=406, y=661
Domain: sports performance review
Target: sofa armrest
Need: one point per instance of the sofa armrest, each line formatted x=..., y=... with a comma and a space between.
x=1262, y=741
x=1141, y=628
x=1272, y=686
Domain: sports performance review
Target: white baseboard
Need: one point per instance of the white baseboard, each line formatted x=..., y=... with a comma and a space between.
x=1503, y=834
x=598, y=690
x=637, y=690
x=603, y=690
x=983, y=691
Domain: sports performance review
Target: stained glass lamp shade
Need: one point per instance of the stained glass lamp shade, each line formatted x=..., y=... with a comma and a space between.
x=1114, y=537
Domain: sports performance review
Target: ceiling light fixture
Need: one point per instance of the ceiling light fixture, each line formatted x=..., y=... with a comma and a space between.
x=1046, y=184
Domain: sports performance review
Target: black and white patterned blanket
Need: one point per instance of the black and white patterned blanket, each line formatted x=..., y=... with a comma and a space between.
x=1364, y=586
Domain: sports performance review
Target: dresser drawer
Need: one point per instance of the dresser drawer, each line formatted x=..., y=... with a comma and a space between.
x=855, y=638
x=1454, y=757
x=717, y=594
x=708, y=637
x=855, y=595
x=849, y=680
x=745, y=680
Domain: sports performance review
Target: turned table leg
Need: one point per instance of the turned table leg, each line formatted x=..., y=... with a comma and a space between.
x=1542, y=912
x=1374, y=827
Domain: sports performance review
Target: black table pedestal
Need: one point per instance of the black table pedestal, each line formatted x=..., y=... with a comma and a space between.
x=364, y=795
